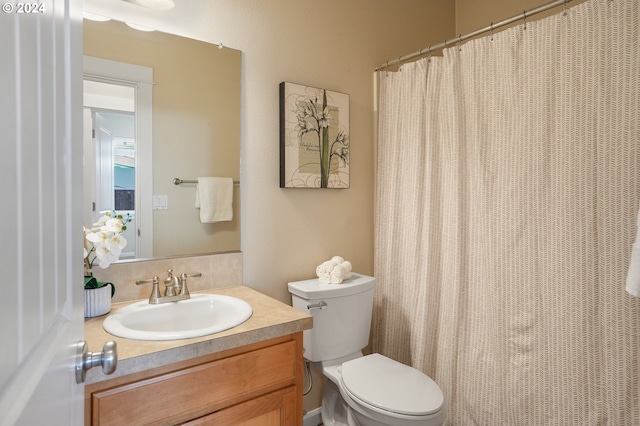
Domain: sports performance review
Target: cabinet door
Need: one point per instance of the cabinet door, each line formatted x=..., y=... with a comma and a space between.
x=191, y=392
x=274, y=409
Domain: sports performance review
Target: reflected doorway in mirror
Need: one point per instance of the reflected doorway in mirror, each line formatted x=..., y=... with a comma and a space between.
x=117, y=100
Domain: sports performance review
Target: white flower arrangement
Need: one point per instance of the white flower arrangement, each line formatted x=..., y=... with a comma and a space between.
x=104, y=242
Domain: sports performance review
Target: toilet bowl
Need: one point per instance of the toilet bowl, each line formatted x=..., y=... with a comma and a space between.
x=361, y=390
x=376, y=390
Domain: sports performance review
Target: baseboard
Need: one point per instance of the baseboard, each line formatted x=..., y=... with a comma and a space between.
x=312, y=417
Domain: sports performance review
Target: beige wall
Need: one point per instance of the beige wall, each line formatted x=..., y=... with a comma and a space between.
x=286, y=233
x=334, y=44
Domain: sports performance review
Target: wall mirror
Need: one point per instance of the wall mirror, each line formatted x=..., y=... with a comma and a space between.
x=157, y=107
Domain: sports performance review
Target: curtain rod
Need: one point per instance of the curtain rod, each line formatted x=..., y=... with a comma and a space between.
x=522, y=16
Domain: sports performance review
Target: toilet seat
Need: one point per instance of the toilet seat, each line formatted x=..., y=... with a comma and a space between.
x=388, y=386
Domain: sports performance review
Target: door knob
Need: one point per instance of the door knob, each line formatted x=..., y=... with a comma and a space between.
x=85, y=360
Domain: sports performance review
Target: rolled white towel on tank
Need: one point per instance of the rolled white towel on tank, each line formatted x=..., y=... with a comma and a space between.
x=340, y=273
x=334, y=271
x=337, y=275
x=325, y=278
x=347, y=267
x=323, y=271
x=326, y=267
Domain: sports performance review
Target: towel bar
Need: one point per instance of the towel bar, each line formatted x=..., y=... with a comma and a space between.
x=178, y=181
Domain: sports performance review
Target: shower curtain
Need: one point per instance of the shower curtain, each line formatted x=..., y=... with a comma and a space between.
x=508, y=183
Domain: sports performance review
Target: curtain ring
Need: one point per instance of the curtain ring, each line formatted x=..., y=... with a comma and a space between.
x=459, y=42
x=564, y=7
x=429, y=50
x=491, y=32
x=524, y=18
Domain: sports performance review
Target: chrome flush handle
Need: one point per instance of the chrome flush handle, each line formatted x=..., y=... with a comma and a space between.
x=320, y=305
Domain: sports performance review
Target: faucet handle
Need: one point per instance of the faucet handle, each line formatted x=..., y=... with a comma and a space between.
x=183, y=282
x=155, y=291
x=154, y=280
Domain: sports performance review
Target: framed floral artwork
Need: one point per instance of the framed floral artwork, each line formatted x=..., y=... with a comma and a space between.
x=314, y=137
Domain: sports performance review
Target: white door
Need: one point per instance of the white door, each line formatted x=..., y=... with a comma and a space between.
x=104, y=164
x=41, y=307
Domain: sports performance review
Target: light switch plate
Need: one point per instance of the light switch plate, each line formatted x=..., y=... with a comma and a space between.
x=160, y=202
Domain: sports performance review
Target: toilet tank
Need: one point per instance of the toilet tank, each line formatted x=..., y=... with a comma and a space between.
x=341, y=315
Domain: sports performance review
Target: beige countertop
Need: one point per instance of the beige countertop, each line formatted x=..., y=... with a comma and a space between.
x=271, y=318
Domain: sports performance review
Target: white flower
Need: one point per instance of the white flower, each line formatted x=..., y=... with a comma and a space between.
x=105, y=240
x=303, y=127
x=106, y=255
x=324, y=119
x=98, y=236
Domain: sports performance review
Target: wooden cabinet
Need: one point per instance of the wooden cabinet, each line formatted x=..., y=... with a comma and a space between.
x=259, y=384
x=275, y=408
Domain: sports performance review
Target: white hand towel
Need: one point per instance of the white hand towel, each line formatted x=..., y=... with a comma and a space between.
x=633, y=275
x=337, y=259
x=214, y=198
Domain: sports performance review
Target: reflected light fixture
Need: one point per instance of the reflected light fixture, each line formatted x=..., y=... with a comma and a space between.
x=95, y=17
x=139, y=27
x=154, y=4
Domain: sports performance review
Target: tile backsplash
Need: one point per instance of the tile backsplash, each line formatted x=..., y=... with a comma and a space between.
x=218, y=271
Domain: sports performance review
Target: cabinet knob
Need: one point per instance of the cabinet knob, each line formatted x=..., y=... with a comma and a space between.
x=85, y=360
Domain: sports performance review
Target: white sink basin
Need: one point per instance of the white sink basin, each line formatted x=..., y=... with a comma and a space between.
x=200, y=315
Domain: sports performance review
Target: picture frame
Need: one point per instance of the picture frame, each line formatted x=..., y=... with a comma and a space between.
x=314, y=137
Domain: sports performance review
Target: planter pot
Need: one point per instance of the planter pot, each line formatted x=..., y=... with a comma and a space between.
x=97, y=301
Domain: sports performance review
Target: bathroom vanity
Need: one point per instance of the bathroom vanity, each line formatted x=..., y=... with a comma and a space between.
x=251, y=374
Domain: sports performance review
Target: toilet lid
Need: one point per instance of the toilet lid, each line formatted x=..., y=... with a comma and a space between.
x=391, y=386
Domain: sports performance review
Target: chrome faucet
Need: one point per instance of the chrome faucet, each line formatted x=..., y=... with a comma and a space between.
x=171, y=284
x=175, y=288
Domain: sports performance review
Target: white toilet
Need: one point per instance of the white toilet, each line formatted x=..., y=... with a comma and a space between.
x=361, y=390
